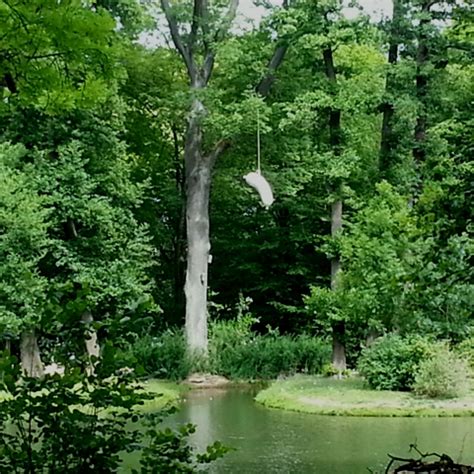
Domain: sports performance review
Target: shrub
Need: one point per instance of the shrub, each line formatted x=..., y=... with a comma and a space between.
x=163, y=356
x=79, y=423
x=443, y=375
x=391, y=362
x=466, y=351
x=236, y=352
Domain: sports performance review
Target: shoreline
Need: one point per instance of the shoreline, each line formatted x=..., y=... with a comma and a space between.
x=349, y=397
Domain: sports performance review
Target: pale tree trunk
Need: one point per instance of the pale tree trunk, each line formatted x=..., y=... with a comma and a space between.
x=338, y=327
x=198, y=184
x=197, y=49
x=335, y=140
x=372, y=335
x=90, y=341
x=30, y=355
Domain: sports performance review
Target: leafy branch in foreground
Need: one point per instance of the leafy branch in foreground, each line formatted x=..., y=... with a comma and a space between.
x=83, y=423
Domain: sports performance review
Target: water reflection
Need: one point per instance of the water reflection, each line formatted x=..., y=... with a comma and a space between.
x=274, y=441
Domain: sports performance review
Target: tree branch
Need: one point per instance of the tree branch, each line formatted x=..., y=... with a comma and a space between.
x=219, y=36
x=227, y=20
x=178, y=41
x=221, y=146
x=265, y=84
x=200, y=6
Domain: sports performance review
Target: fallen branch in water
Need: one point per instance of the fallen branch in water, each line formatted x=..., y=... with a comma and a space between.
x=443, y=464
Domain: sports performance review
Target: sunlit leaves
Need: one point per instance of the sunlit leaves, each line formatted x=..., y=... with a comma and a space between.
x=57, y=54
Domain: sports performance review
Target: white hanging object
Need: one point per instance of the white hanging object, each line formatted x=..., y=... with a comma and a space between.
x=256, y=180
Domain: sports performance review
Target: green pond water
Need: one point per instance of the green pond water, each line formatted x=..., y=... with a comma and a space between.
x=275, y=441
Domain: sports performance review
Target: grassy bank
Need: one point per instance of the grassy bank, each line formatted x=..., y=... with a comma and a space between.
x=349, y=397
x=167, y=394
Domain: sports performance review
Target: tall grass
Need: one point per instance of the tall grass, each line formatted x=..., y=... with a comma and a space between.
x=235, y=351
x=163, y=356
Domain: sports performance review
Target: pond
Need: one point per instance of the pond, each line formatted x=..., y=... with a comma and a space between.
x=275, y=441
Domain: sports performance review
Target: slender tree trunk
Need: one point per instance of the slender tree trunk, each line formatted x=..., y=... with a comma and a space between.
x=198, y=184
x=30, y=355
x=372, y=335
x=387, y=142
x=264, y=86
x=422, y=56
x=335, y=140
x=90, y=340
x=338, y=327
x=179, y=266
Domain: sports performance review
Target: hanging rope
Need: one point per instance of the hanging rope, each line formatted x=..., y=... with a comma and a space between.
x=258, y=142
x=256, y=180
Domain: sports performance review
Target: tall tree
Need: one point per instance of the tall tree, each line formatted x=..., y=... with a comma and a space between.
x=335, y=141
x=23, y=243
x=202, y=38
x=58, y=63
x=208, y=27
x=422, y=79
x=388, y=142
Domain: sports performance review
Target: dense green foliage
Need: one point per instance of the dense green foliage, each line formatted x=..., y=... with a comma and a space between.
x=391, y=362
x=162, y=356
x=91, y=420
x=235, y=351
x=466, y=351
x=443, y=374
x=417, y=364
x=369, y=156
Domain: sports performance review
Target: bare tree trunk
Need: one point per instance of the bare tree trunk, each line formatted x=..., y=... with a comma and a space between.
x=372, y=335
x=198, y=165
x=90, y=340
x=30, y=355
x=198, y=184
x=335, y=140
x=338, y=357
x=422, y=55
x=338, y=327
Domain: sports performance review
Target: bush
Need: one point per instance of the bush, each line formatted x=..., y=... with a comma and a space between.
x=163, y=356
x=238, y=353
x=235, y=351
x=392, y=361
x=466, y=351
x=78, y=424
x=443, y=375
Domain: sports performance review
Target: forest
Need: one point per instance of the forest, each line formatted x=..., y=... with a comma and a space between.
x=134, y=255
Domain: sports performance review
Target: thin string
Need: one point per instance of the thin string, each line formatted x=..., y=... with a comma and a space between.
x=258, y=141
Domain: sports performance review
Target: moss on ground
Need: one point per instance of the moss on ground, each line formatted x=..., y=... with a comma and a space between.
x=350, y=397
